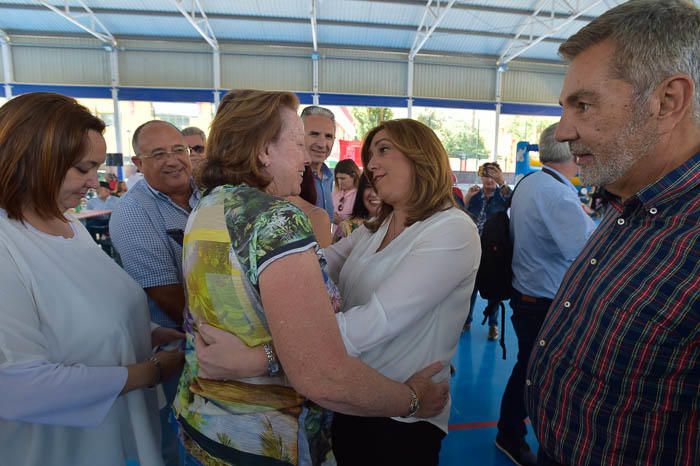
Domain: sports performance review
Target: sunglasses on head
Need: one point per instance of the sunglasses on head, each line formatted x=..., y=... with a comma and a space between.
x=198, y=149
x=484, y=169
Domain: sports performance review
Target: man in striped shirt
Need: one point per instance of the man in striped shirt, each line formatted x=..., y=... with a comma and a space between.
x=614, y=378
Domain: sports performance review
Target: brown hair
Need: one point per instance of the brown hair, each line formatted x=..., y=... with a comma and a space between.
x=42, y=135
x=247, y=120
x=431, y=187
x=347, y=167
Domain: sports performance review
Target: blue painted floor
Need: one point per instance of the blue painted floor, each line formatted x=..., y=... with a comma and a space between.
x=480, y=378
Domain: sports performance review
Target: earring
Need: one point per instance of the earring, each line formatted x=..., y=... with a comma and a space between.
x=266, y=164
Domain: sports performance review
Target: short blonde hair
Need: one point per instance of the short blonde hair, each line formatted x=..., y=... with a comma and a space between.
x=247, y=120
x=431, y=186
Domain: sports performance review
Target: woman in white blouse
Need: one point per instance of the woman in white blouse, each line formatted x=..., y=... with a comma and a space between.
x=75, y=336
x=405, y=279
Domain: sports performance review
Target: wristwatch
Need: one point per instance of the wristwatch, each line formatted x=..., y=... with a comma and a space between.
x=415, y=403
x=273, y=365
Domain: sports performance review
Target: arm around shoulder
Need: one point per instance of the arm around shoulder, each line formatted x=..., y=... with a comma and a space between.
x=309, y=346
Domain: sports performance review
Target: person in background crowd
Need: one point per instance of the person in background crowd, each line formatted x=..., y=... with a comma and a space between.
x=245, y=238
x=365, y=207
x=319, y=136
x=147, y=231
x=103, y=201
x=306, y=201
x=196, y=140
x=457, y=193
x=121, y=188
x=614, y=378
x=75, y=338
x=482, y=203
x=347, y=177
x=549, y=228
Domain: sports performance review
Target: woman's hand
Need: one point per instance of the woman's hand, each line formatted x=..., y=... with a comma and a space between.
x=222, y=356
x=171, y=363
x=161, y=336
x=471, y=192
x=497, y=175
x=431, y=396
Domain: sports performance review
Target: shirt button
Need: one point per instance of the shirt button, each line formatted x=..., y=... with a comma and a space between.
x=620, y=221
x=653, y=211
x=567, y=304
x=528, y=382
x=594, y=261
x=542, y=343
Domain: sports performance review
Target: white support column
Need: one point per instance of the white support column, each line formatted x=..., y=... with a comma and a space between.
x=314, y=62
x=314, y=55
x=114, y=71
x=7, y=66
x=499, y=89
x=216, y=57
x=409, y=90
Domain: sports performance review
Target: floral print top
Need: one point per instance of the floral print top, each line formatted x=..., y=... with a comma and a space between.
x=232, y=235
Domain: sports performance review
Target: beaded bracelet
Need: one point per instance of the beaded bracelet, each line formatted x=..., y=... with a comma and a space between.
x=159, y=370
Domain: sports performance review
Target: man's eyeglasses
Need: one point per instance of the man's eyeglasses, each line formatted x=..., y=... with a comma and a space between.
x=161, y=154
x=198, y=149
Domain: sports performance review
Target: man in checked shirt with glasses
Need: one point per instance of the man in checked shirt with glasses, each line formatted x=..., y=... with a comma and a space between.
x=614, y=377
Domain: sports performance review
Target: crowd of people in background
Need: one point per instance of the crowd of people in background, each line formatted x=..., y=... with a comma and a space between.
x=265, y=309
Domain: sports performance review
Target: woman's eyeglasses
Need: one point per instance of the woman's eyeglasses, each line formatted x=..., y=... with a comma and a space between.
x=340, y=204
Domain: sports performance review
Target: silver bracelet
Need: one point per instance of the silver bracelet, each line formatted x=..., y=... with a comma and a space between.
x=273, y=365
x=159, y=369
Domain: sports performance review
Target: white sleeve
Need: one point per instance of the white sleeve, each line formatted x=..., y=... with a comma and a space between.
x=337, y=253
x=46, y=393
x=33, y=389
x=445, y=256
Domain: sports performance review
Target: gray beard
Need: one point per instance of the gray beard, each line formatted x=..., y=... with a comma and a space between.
x=632, y=145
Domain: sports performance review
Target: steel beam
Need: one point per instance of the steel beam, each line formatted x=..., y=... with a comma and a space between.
x=434, y=13
x=197, y=17
x=523, y=41
x=85, y=20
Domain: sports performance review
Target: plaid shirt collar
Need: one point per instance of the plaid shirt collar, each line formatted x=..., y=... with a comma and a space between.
x=664, y=191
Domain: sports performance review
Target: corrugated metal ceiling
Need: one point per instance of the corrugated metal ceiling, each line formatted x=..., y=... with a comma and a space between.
x=471, y=27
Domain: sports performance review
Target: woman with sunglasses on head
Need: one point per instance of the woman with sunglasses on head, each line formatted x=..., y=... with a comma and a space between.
x=347, y=177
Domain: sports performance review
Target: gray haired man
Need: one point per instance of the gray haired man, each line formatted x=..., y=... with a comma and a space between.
x=319, y=136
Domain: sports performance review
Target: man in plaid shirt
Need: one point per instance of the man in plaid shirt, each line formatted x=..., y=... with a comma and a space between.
x=614, y=378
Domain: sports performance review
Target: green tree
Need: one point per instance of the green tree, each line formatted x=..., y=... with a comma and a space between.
x=431, y=119
x=465, y=144
x=527, y=128
x=367, y=118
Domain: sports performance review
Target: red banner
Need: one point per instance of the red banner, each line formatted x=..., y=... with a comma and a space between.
x=351, y=150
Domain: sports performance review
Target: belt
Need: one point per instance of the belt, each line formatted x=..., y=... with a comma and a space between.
x=532, y=299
